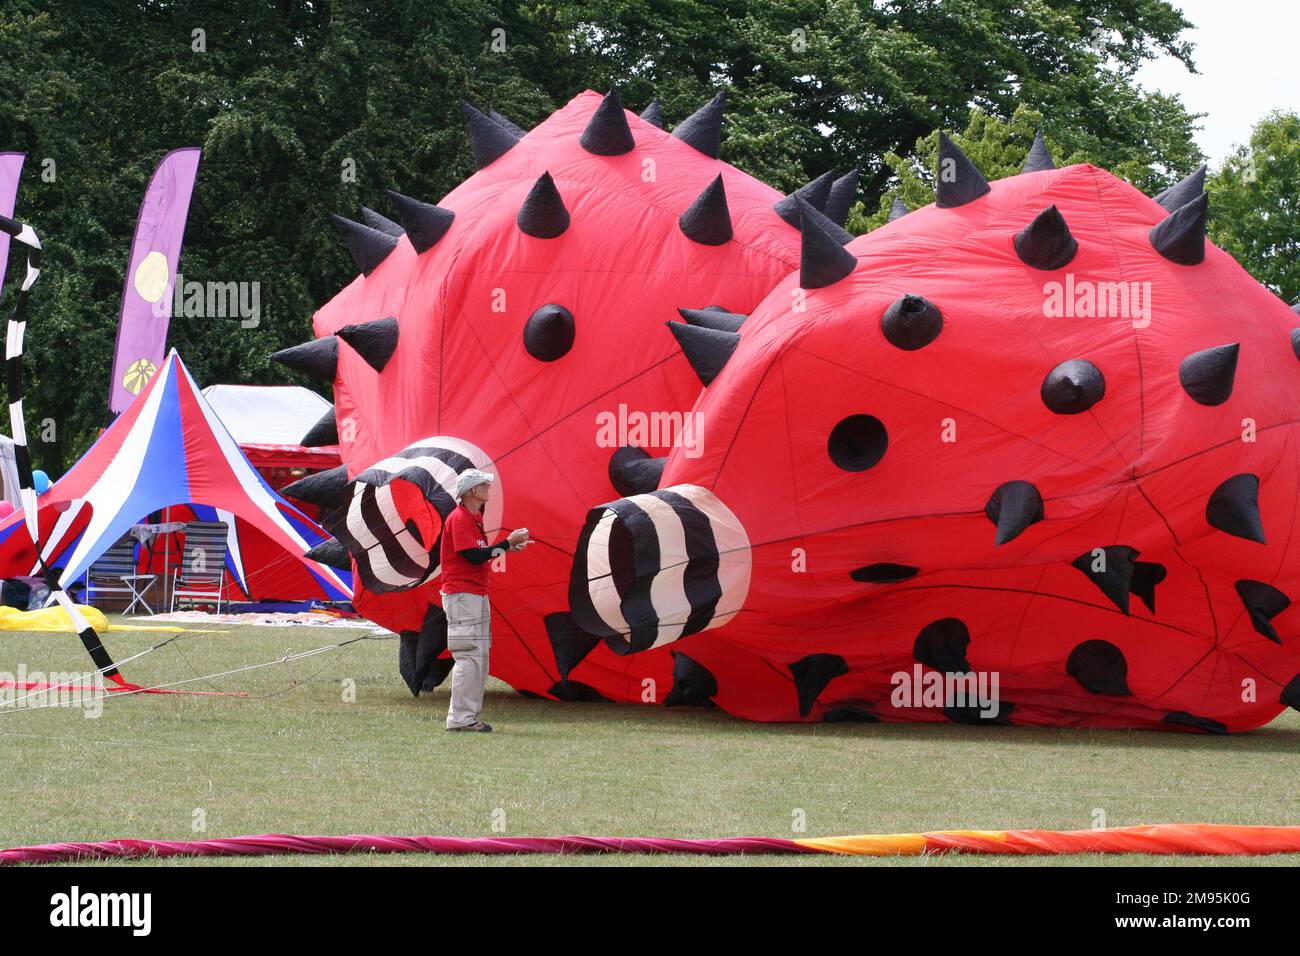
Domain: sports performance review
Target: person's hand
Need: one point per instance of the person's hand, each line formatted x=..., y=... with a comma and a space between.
x=518, y=538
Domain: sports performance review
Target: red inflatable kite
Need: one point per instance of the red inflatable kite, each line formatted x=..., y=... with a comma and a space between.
x=1027, y=455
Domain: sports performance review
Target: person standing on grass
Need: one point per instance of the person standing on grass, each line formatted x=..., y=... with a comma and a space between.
x=464, y=557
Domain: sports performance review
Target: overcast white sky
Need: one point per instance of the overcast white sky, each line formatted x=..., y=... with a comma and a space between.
x=1248, y=57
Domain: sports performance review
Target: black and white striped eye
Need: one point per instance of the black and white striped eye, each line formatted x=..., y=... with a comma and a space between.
x=858, y=443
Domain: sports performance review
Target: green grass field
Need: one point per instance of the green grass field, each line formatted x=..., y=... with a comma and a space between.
x=295, y=757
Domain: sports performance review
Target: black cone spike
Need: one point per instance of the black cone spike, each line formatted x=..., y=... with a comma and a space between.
x=1100, y=667
x=823, y=260
x=1046, y=242
x=1295, y=341
x=652, y=114
x=840, y=199
x=941, y=645
x=1111, y=571
x=812, y=674
x=633, y=472
x=382, y=223
x=368, y=247
x=569, y=643
x=607, y=132
x=543, y=215
x=373, y=341
x=424, y=222
x=1263, y=602
x=318, y=358
x=708, y=220
x=549, y=332
x=1013, y=507
x=1207, y=376
x=1039, y=157
x=897, y=210
x=1180, y=237
x=504, y=122
x=327, y=489
x=488, y=139
x=958, y=181
x=703, y=128
x=1234, y=507
x=332, y=554
x=827, y=225
x=324, y=432
x=693, y=684
x=419, y=659
x=911, y=322
x=1183, y=191
x=814, y=193
x=706, y=349
x=718, y=319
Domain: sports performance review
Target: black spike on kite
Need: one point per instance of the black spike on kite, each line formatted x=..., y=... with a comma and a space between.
x=957, y=180
x=543, y=215
x=330, y=553
x=1013, y=507
x=840, y=199
x=368, y=247
x=814, y=193
x=823, y=260
x=324, y=432
x=328, y=488
x=1039, y=158
x=1207, y=376
x=706, y=349
x=1180, y=236
x=489, y=140
x=1183, y=191
x=424, y=222
x=708, y=220
x=374, y=341
x=713, y=319
x=382, y=223
x=607, y=132
x=703, y=128
x=897, y=209
x=1046, y=243
x=653, y=115
x=318, y=358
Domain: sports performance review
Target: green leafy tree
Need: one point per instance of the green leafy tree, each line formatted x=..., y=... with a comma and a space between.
x=285, y=95
x=1254, y=206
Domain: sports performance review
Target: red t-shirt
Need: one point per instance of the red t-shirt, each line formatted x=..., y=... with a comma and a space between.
x=463, y=529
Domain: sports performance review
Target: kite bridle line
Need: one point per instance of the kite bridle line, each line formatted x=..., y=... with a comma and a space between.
x=22, y=232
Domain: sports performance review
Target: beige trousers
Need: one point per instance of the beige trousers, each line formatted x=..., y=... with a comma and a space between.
x=469, y=639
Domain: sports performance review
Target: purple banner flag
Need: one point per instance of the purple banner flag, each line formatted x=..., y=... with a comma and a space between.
x=151, y=276
x=11, y=167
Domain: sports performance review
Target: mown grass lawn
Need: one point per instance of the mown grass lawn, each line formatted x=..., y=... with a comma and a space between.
x=296, y=757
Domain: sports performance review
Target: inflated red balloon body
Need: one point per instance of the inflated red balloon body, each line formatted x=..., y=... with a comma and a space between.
x=1072, y=468
x=531, y=340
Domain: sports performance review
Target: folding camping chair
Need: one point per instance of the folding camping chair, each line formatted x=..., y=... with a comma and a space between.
x=201, y=577
x=114, y=572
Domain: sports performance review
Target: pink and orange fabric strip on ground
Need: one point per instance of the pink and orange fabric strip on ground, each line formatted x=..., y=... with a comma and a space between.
x=1159, y=839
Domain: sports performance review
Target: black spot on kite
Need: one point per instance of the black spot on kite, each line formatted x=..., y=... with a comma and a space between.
x=1100, y=667
x=883, y=573
x=857, y=443
x=942, y=644
x=1115, y=580
x=849, y=714
x=1263, y=602
x=693, y=684
x=569, y=643
x=418, y=653
x=1146, y=575
x=1291, y=693
x=812, y=674
x=632, y=471
x=1181, y=718
x=575, y=692
x=976, y=717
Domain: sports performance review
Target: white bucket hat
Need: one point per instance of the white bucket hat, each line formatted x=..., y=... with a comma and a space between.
x=471, y=478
